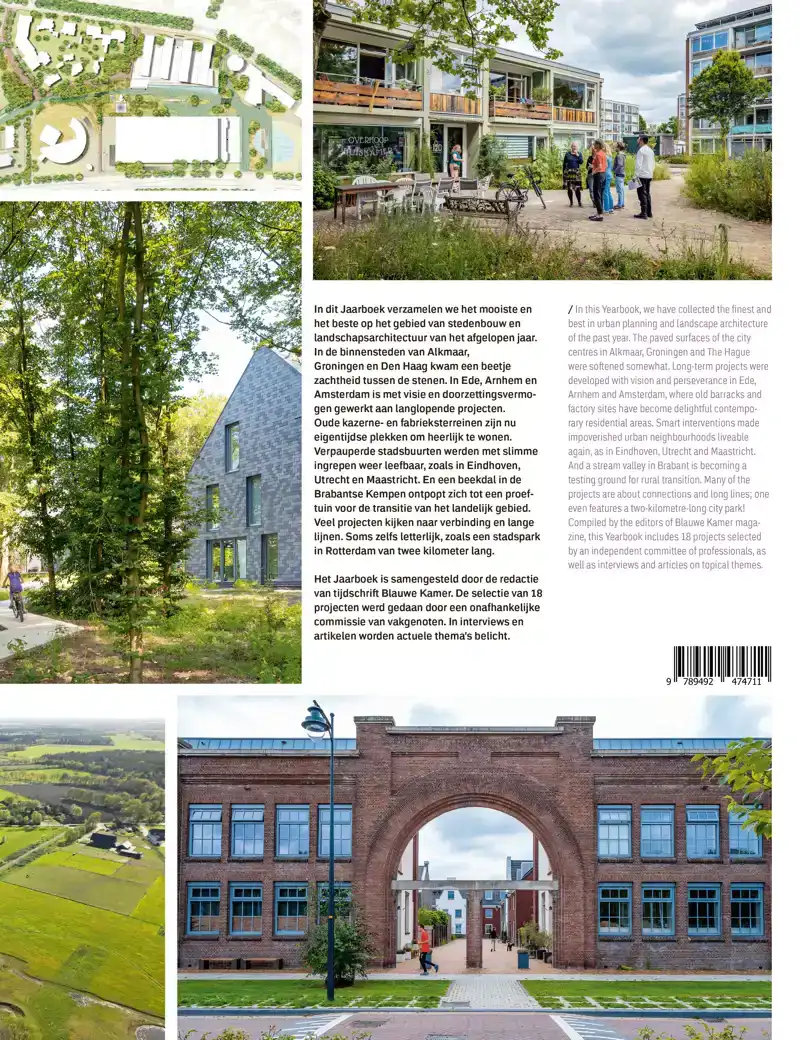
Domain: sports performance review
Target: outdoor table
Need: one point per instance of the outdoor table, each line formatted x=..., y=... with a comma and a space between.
x=350, y=191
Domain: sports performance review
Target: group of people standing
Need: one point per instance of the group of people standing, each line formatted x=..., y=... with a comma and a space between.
x=601, y=169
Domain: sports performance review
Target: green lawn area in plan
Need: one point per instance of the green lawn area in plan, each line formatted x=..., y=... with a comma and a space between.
x=699, y=994
x=14, y=839
x=299, y=993
x=122, y=742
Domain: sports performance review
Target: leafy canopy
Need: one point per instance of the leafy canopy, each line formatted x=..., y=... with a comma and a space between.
x=746, y=768
x=724, y=90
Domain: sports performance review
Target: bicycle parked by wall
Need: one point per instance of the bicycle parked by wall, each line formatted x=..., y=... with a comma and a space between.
x=516, y=190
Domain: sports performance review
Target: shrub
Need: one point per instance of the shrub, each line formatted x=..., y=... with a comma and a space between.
x=116, y=13
x=661, y=172
x=325, y=182
x=742, y=187
x=352, y=949
x=492, y=158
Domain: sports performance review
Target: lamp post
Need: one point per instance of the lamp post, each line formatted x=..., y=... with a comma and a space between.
x=316, y=723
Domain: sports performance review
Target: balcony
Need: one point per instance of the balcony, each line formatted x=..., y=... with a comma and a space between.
x=519, y=110
x=573, y=115
x=367, y=94
x=455, y=104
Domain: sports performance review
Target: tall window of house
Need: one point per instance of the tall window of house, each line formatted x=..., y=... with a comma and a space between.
x=406, y=72
x=458, y=913
x=657, y=830
x=704, y=917
x=488, y=894
x=451, y=895
x=488, y=912
x=498, y=85
x=658, y=909
x=342, y=831
x=342, y=899
x=569, y=93
x=291, y=825
x=202, y=911
x=371, y=63
x=291, y=909
x=205, y=830
x=702, y=831
x=338, y=61
x=247, y=831
x=743, y=842
x=614, y=910
x=747, y=909
x=232, y=447
x=613, y=831
x=212, y=507
x=245, y=909
x=254, y=500
x=241, y=559
x=754, y=34
x=214, y=561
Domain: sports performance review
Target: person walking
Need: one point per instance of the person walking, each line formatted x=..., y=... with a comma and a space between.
x=599, y=166
x=619, y=174
x=494, y=940
x=456, y=161
x=425, y=961
x=643, y=172
x=608, y=199
x=571, y=170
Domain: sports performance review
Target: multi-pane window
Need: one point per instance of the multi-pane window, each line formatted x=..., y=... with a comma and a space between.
x=704, y=916
x=246, y=909
x=747, y=909
x=658, y=826
x=458, y=913
x=702, y=831
x=226, y=560
x=743, y=842
x=291, y=909
x=231, y=447
x=342, y=831
x=613, y=831
x=614, y=910
x=342, y=899
x=247, y=831
x=451, y=895
x=254, y=500
x=205, y=830
x=212, y=507
x=658, y=909
x=202, y=915
x=291, y=827
x=754, y=34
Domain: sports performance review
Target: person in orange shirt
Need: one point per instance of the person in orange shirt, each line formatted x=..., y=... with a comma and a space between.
x=425, y=961
x=599, y=166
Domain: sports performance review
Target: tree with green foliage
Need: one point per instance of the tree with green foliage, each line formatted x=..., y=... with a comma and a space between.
x=352, y=948
x=492, y=158
x=724, y=91
x=746, y=769
x=642, y=124
x=669, y=127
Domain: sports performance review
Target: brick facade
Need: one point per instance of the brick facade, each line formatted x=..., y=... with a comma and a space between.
x=266, y=405
x=399, y=779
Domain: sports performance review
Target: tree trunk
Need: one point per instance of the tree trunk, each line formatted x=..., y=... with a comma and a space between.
x=321, y=19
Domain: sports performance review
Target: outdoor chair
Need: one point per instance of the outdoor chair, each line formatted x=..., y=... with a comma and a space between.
x=445, y=186
x=393, y=201
x=483, y=185
x=423, y=197
x=364, y=199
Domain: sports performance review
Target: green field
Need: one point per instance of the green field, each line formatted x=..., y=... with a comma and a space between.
x=699, y=994
x=13, y=839
x=299, y=993
x=122, y=742
x=151, y=907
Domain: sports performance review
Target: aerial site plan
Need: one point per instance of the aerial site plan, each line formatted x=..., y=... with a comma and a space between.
x=103, y=97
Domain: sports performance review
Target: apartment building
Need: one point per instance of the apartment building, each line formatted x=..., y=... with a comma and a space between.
x=750, y=33
x=620, y=119
x=453, y=902
x=371, y=106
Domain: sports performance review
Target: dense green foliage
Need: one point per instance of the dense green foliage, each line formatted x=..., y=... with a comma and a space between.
x=741, y=187
x=492, y=158
x=352, y=948
x=746, y=769
x=325, y=182
x=725, y=89
x=17, y=93
x=294, y=83
x=116, y=14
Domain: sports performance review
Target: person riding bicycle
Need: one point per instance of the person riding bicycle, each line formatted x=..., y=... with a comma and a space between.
x=14, y=582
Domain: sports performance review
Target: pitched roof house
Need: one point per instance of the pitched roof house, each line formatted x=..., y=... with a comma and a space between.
x=247, y=475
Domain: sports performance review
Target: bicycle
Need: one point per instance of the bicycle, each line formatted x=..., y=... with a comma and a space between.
x=17, y=606
x=513, y=191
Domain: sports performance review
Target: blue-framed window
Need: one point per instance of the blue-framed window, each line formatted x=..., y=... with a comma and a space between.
x=614, y=910
x=253, y=495
x=488, y=913
x=342, y=831
x=342, y=899
x=458, y=913
x=488, y=894
x=702, y=831
x=247, y=831
x=291, y=909
x=614, y=831
x=704, y=910
x=658, y=909
x=202, y=909
x=747, y=909
x=232, y=447
x=212, y=507
x=245, y=909
x=743, y=842
x=291, y=831
x=657, y=831
x=205, y=830
x=451, y=894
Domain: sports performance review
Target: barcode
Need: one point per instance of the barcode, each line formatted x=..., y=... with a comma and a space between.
x=722, y=662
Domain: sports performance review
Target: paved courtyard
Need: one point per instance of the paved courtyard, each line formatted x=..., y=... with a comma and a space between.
x=452, y=960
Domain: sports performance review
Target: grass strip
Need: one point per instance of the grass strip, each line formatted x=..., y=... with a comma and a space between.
x=299, y=993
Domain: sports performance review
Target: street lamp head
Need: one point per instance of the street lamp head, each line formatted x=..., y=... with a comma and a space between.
x=315, y=722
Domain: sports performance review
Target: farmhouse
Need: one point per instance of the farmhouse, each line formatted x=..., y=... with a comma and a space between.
x=103, y=840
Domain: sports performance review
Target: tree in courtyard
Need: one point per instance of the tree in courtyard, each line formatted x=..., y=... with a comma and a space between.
x=480, y=27
x=352, y=944
x=745, y=768
x=642, y=124
x=669, y=127
x=724, y=91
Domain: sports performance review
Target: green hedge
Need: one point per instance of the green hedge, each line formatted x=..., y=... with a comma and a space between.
x=279, y=72
x=741, y=187
x=117, y=14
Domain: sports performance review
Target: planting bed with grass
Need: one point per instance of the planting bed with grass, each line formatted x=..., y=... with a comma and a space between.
x=298, y=993
x=679, y=996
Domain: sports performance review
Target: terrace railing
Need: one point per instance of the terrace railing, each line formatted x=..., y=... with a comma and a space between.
x=519, y=109
x=365, y=93
x=573, y=115
x=456, y=103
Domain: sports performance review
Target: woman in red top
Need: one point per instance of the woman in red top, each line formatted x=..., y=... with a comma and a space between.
x=599, y=166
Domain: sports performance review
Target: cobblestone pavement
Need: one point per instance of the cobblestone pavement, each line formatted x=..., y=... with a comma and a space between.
x=452, y=960
x=489, y=991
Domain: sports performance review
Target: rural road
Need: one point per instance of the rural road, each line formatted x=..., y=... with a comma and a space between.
x=36, y=630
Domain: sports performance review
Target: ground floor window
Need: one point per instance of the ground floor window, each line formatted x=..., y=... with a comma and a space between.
x=291, y=909
x=202, y=916
x=269, y=558
x=747, y=909
x=706, y=145
x=614, y=910
x=704, y=916
x=488, y=929
x=226, y=559
x=658, y=909
x=362, y=149
x=518, y=146
x=245, y=909
x=342, y=900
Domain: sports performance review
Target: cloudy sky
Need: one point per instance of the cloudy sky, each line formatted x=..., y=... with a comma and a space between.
x=638, y=46
x=474, y=843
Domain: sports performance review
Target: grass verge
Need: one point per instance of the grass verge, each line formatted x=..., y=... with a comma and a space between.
x=299, y=993
x=700, y=994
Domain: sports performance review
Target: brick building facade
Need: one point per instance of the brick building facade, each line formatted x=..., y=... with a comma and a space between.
x=650, y=870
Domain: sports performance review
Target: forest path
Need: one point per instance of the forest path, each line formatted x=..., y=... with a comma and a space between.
x=35, y=630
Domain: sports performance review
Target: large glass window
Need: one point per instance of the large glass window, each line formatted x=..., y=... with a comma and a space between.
x=754, y=34
x=212, y=507
x=231, y=447
x=205, y=830
x=245, y=909
x=202, y=911
x=702, y=831
x=658, y=909
x=227, y=560
x=657, y=831
x=247, y=831
x=342, y=831
x=518, y=146
x=254, y=500
x=747, y=909
x=704, y=917
x=698, y=66
x=365, y=147
x=338, y=61
x=291, y=909
x=291, y=824
x=342, y=899
x=743, y=842
x=613, y=831
x=569, y=93
x=241, y=559
x=614, y=910
x=372, y=64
